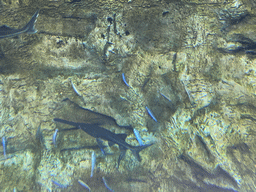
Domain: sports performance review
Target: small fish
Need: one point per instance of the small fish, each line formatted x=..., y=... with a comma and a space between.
x=38, y=132
x=29, y=28
x=106, y=185
x=84, y=184
x=125, y=80
x=93, y=162
x=138, y=137
x=75, y=89
x=166, y=97
x=58, y=184
x=39, y=135
x=4, y=146
x=111, y=51
x=54, y=137
x=151, y=114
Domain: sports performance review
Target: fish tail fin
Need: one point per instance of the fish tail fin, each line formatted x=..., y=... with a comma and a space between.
x=30, y=26
x=136, y=150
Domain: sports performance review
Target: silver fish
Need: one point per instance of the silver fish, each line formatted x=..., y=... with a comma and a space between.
x=138, y=137
x=29, y=28
x=166, y=97
x=4, y=146
x=151, y=114
x=75, y=89
x=125, y=82
x=84, y=184
x=106, y=185
x=59, y=184
x=93, y=162
x=54, y=137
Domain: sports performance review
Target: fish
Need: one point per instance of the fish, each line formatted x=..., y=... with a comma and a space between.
x=54, y=137
x=4, y=146
x=75, y=89
x=138, y=137
x=87, y=116
x=98, y=132
x=151, y=114
x=59, y=184
x=125, y=80
x=29, y=28
x=111, y=51
x=39, y=135
x=84, y=184
x=166, y=97
x=93, y=162
x=106, y=185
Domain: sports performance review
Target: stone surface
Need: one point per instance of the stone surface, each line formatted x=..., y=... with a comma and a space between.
x=192, y=63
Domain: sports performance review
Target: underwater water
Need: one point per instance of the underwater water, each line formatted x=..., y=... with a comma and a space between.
x=127, y=95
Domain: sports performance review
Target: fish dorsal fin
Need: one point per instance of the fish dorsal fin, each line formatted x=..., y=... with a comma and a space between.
x=122, y=136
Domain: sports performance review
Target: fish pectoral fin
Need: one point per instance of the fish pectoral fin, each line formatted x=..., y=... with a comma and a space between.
x=122, y=148
x=101, y=146
x=121, y=156
x=122, y=136
x=110, y=143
